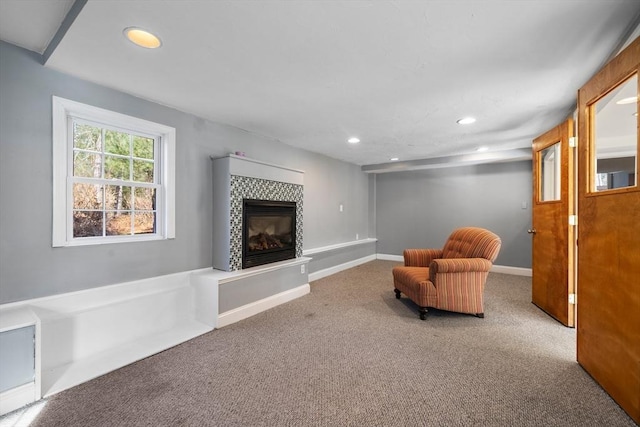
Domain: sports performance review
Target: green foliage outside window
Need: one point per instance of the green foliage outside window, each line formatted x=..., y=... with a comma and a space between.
x=121, y=208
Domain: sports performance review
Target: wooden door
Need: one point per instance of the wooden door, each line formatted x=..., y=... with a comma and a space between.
x=552, y=236
x=608, y=313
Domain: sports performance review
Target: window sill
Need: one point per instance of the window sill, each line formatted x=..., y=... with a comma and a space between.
x=89, y=241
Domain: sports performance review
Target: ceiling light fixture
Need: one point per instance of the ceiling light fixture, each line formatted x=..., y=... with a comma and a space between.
x=394, y=159
x=629, y=100
x=466, y=121
x=353, y=140
x=142, y=38
x=482, y=149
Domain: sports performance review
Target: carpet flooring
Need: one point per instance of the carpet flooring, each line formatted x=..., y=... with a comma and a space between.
x=350, y=354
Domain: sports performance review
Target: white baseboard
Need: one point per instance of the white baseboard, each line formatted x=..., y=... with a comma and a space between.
x=388, y=257
x=248, y=310
x=516, y=271
x=18, y=397
x=337, y=268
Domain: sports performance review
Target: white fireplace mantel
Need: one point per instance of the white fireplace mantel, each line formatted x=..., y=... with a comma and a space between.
x=244, y=166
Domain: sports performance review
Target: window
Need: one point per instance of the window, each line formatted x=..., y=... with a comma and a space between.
x=550, y=175
x=614, y=139
x=113, y=176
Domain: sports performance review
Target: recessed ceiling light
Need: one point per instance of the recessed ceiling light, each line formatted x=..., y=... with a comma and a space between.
x=635, y=114
x=482, y=149
x=629, y=100
x=353, y=140
x=466, y=121
x=142, y=38
x=394, y=159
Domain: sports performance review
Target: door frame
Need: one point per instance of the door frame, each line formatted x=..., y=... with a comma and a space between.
x=555, y=295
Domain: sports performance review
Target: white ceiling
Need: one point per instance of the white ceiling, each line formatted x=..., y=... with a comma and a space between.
x=31, y=24
x=396, y=74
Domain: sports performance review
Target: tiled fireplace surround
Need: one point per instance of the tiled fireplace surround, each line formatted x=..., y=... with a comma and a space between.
x=237, y=178
x=243, y=187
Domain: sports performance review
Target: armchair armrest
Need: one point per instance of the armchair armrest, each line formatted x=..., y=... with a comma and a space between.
x=420, y=257
x=459, y=265
x=459, y=283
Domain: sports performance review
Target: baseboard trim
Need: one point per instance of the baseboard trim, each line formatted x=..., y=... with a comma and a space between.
x=340, y=267
x=505, y=269
x=251, y=309
x=16, y=398
x=388, y=257
x=516, y=271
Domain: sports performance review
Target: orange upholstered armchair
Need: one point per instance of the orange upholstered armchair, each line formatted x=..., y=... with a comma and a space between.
x=451, y=278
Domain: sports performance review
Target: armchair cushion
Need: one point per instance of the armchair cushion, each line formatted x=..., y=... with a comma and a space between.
x=472, y=242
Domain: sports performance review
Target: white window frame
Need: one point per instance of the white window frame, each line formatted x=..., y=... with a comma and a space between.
x=63, y=111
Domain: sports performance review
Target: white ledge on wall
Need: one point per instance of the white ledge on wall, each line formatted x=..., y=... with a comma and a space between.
x=230, y=276
x=504, y=269
x=308, y=252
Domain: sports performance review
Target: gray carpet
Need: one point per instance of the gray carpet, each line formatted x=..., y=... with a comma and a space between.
x=350, y=354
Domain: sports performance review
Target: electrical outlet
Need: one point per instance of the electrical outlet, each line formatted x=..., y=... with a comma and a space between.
x=302, y=269
x=357, y=236
x=341, y=208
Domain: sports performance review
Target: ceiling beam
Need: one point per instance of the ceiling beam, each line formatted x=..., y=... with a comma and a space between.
x=451, y=161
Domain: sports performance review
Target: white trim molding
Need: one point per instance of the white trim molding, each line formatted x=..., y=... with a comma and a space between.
x=251, y=309
x=18, y=397
x=388, y=257
x=341, y=267
x=516, y=271
x=231, y=276
x=505, y=269
x=308, y=252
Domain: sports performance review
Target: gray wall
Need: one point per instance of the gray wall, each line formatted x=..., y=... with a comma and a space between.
x=334, y=257
x=419, y=209
x=30, y=267
x=247, y=290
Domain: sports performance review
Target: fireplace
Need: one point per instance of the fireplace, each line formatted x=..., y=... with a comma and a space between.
x=268, y=231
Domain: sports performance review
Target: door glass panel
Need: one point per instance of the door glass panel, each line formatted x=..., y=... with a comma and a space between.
x=615, y=138
x=550, y=173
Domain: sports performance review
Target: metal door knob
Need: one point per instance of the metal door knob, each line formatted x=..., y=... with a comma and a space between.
x=531, y=231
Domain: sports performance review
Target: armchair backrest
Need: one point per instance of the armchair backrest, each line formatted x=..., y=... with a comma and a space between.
x=472, y=242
